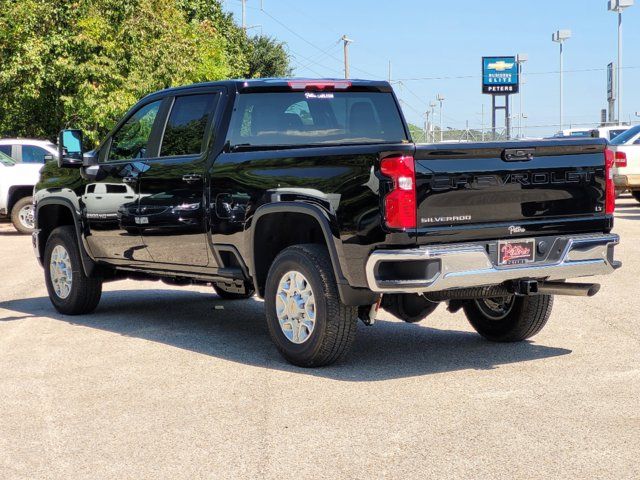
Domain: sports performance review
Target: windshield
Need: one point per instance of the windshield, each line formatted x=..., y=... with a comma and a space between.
x=6, y=160
x=307, y=118
x=626, y=136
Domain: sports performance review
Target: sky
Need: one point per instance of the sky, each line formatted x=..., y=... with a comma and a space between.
x=435, y=47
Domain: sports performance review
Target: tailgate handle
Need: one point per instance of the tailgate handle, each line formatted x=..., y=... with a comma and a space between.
x=518, y=154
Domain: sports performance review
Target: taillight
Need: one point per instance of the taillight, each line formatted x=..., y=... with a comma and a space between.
x=610, y=188
x=400, y=202
x=621, y=159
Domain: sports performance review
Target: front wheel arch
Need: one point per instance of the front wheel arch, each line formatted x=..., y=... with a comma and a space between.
x=57, y=212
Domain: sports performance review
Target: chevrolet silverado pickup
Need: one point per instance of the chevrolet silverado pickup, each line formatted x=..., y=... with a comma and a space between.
x=311, y=195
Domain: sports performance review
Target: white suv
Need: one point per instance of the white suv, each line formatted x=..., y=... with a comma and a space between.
x=26, y=150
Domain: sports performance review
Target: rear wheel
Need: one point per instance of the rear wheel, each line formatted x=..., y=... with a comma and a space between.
x=71, y=292
x=636, y=195
x=22, y=215
x=307, y=321
x=509, y=319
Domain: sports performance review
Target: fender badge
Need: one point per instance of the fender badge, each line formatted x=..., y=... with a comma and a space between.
x=516, y=229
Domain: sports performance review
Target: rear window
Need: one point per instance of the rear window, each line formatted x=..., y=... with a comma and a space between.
x=307, y=118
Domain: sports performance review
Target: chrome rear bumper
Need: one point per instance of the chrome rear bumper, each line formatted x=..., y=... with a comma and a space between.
x=469, y=265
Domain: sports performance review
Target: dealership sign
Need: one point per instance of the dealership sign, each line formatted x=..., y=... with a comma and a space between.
x=500, y=75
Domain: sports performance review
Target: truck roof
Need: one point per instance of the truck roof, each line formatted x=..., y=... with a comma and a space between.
x=257, y=84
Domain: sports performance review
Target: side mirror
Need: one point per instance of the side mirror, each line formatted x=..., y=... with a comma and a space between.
x=70, y=149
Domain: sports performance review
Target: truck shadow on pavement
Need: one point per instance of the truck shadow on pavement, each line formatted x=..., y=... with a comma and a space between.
x=238, y=333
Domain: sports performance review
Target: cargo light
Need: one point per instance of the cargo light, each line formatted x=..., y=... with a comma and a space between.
x=400, y=202
x=609, y=188
x=319, y=86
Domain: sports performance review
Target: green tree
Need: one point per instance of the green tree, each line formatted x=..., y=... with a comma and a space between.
x=267, y=58
x=85, y=62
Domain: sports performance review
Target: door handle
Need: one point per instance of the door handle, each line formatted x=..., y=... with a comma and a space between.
x=130, y=179
x=192, y=178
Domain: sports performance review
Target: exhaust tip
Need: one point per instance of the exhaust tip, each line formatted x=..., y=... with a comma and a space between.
x=593, y=289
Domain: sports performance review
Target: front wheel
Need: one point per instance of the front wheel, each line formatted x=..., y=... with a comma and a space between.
x=509, y=319
x=22, y=215
x=71, y=292
x=307, y=321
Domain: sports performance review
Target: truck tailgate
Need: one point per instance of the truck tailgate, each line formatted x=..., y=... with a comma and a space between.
x=511, y=188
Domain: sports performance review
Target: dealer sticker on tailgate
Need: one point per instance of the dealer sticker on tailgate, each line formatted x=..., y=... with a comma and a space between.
x=514, y=252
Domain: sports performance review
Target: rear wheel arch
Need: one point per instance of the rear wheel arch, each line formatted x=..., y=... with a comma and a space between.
x=278, y=226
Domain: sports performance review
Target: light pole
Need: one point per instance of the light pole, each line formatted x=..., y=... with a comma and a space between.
x=559, y=37
x=521, y=58
x=618, y=6
x=440, y=98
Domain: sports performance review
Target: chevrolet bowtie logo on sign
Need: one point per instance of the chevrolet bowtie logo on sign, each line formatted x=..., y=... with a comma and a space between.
x=500, y=66
x=500, y=75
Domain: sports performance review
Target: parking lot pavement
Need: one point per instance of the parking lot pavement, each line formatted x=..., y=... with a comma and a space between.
x=159, y=383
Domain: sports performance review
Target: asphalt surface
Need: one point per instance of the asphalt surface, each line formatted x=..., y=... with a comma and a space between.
x=164, y=382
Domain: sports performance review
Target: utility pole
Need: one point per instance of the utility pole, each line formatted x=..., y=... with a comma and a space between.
x=389, y=71
x=618, y=6
x=346, y=42
x=244, y=15
x=559, y=37
x=482, y=120
x=440, y=98
x=427, y=126
x=433, y=106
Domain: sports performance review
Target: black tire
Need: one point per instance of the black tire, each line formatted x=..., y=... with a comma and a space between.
x=636, y=195
x=84, y=293
x=22, y=225
x=335, y=323
x=226, y=295
x=523, y=319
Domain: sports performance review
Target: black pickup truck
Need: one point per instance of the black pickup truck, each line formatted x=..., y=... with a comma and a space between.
x=312, y=195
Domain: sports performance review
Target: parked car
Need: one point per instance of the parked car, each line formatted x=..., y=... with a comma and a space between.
x=609, y=132
x=312, y=194
x=16, y=190
x=27, y=150
x=626, y=171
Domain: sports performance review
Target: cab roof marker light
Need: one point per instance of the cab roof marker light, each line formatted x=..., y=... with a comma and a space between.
x=320, y=86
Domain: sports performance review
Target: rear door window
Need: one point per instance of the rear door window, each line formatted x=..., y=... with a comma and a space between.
x=6, y=149
x=185, y=131
x=307, y=118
